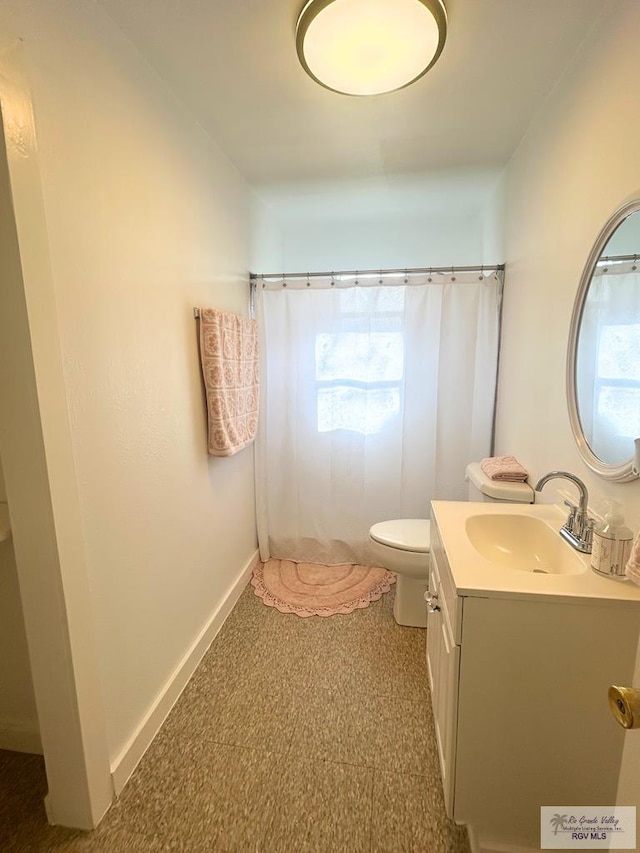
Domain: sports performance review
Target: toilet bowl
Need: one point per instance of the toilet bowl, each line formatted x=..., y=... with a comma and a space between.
x=403, y=545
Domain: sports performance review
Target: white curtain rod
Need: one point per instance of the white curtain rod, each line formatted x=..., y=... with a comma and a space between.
x=450, y=270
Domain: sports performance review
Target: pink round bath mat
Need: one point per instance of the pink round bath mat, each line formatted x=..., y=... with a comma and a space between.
x=309, y=589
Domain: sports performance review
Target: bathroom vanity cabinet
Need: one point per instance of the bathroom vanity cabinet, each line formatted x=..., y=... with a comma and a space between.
x=519, y=687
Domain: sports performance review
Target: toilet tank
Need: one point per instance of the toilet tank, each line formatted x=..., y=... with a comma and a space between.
x=483, y=488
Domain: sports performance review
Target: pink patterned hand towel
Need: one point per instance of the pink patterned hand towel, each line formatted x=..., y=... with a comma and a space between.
x=505, y=468
x=229, y=358
x=632, y=569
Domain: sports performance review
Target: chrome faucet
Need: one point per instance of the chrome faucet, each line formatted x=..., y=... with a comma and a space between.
x=578, y=528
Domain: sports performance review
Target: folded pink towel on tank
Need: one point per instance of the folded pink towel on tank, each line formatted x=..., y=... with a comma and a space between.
x=505, y=468
x=632, y=569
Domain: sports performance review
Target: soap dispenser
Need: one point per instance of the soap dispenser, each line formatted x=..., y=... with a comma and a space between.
x=612, y=541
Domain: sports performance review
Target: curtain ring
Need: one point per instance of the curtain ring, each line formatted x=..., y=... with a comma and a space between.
x=430, y=278
x=333, y=280
x=481, y=276
x=635, y=263
x=380, y=280
x=406, y=276
x=356, y=282
x=453, y=278
x=308, y=282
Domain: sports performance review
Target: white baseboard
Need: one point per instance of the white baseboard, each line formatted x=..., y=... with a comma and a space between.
x=20, y=737
x=482, y=846
x=127, y=761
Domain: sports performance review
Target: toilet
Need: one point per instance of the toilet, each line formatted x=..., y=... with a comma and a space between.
x=403, y=545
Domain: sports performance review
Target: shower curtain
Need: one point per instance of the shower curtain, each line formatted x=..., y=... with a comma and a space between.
x=375, y=396
x=608, y=361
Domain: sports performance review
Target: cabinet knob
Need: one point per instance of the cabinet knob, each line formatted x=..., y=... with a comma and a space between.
x=431, y=598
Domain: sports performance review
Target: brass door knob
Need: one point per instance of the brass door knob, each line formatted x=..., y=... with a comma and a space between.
x=625, y=706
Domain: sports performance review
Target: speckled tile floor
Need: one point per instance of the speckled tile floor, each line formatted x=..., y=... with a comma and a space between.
x=294, y=735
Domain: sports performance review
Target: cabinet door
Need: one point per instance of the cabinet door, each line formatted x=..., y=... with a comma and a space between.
x=443, y=662
x=447, y=711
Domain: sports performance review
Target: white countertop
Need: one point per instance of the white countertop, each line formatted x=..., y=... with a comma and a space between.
x=473, y=575
x=5, y=525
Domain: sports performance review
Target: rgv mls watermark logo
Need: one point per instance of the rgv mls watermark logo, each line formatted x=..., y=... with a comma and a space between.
x=588, y=827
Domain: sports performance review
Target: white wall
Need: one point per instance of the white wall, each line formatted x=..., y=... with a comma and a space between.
x=146, y=218
x=19, y=728
x=267, y=249
x=372, y=224
x=18, y=715
x=494, y=225
x=382, y=243
x=40, y=483
x=577, y=163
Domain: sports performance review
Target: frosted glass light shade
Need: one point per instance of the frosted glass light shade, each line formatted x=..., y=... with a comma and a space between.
x=368, y=47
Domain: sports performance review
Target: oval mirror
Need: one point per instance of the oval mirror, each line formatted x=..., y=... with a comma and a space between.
x=603, y=360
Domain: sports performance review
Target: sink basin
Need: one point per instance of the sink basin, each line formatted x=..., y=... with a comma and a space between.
x=522, y=543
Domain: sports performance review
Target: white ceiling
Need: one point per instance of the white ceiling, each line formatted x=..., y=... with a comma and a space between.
x=234, y=63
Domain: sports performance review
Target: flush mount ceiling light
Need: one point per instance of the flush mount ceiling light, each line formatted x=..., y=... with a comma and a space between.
x=368, y=47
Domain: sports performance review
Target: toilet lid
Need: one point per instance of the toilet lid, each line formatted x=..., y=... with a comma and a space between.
x=407, y=534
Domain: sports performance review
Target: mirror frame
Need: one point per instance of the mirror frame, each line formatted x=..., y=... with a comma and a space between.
x=616, y=473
